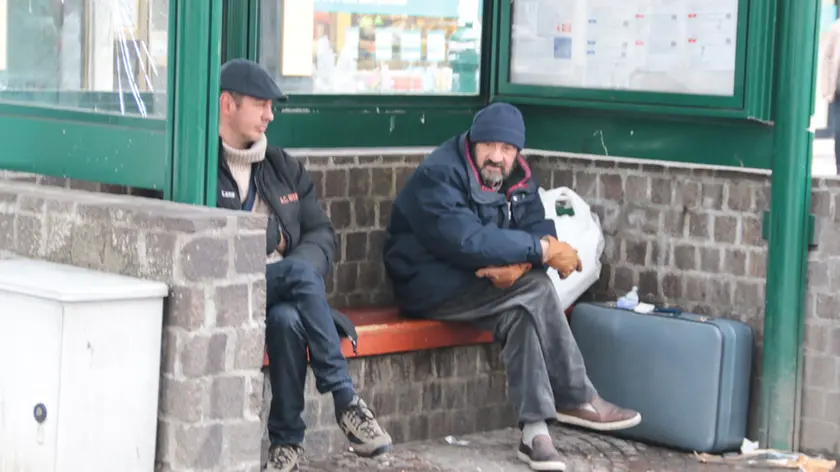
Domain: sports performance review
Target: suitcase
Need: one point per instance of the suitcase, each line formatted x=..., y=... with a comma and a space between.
x=688, y=375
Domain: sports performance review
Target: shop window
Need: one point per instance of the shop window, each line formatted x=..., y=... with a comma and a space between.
x=100, y=55
x=348, y=47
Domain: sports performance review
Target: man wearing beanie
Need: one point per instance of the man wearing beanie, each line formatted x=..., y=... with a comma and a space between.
x=468, y=241
x=301, y=243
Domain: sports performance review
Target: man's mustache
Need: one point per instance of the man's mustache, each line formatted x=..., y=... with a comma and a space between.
x=497, y=165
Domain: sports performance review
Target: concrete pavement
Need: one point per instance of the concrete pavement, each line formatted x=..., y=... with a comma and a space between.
x=495, y=452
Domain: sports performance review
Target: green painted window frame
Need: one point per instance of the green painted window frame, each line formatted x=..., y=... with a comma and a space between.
x=753, y=74
x=82, y=145
x=169, y=154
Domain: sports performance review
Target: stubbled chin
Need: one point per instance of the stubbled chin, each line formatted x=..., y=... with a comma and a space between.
x=491, y=180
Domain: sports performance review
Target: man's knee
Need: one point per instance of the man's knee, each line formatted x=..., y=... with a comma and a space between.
x=538, y=281
x=283, y=320
x=296, y=270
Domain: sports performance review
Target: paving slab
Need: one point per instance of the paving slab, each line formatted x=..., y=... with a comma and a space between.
x=495, y=452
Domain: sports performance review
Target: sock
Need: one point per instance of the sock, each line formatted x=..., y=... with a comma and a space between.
x=343, y=397
x=532, y=430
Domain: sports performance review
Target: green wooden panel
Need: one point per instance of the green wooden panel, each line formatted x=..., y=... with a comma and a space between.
x=703, y=140
x=101, y=148
x=101, y=102
x=757, y=18
x=323, y=127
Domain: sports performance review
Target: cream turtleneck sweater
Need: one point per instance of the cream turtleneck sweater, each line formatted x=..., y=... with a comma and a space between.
x=239, y=161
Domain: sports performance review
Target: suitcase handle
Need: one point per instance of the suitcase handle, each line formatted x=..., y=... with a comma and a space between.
x=675, y=312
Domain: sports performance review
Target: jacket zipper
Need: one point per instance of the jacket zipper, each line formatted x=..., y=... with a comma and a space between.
x=268, y=202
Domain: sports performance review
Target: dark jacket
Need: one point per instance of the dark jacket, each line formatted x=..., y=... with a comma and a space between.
x=445, y=225
x=284, y=184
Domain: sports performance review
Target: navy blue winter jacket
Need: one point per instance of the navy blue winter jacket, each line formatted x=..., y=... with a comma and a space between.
x=445, y=225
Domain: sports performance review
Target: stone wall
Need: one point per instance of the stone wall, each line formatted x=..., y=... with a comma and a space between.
x=416, y=396
x=820, y=427
x=213, y=334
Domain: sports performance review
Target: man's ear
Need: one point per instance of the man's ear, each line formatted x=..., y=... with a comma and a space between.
x=223, y=100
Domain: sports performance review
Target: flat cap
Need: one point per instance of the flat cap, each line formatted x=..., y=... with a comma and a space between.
x=248, y=78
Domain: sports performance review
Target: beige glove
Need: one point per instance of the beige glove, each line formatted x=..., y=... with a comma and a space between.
x=561, y=256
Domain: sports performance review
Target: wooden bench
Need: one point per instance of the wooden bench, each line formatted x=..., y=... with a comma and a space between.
x=382, y=330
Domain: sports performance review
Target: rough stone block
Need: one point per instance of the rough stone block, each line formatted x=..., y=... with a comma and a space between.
x=227, y=400
x=203, y=355
x=249, y=253
x=232, y=305
x=205, y=258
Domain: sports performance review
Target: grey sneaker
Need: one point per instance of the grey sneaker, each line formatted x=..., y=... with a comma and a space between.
x=541, y=455
x=367, y=438
x=283, y=458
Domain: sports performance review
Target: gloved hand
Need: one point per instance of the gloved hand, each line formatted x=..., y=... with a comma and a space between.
x=561, y=256
x=504, y=276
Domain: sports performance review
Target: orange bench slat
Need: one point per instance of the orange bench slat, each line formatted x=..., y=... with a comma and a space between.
x=382, y=330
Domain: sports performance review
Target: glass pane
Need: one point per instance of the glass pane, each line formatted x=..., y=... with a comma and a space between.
x=107, y=56
x=682, y=46
x=415, y=47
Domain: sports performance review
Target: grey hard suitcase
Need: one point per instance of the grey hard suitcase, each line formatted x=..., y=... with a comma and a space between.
x=688, y=375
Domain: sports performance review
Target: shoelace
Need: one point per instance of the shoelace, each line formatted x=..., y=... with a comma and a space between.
x=361, y=419
x=284, y=455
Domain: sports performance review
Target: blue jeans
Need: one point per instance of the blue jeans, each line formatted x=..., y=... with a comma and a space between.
x=298, y=317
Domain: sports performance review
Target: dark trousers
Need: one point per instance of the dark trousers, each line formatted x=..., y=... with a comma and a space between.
x=545, y=369
x=298, y=317
x=834, y=109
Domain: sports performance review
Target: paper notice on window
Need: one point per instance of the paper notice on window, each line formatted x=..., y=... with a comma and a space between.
x=436, y=46
x=298, y=36
x=351, y=43
x=555, y=18
x=660, y=35
x=384, y=44
x=669, y=46
x=610, y=43
x=543, y=39
x=711, y=30
x=410, y=46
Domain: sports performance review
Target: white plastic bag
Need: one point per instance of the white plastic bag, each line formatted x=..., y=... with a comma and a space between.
x=583, y=232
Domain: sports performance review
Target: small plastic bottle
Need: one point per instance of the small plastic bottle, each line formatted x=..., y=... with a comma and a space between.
x=630, y=300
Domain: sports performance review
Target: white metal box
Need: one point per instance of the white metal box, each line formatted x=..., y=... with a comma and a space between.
x=79, y=369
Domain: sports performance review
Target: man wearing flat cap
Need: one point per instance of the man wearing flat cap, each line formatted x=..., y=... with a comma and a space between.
x=468, y=241
x=301, y=244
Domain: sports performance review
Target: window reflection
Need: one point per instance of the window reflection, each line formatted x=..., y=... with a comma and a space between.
x=102, y=55
x=372, y=47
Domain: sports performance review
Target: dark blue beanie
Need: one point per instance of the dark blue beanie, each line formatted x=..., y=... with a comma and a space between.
x=499, y=122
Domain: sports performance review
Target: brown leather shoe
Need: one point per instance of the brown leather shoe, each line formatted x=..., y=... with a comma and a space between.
x=600, y=415
x=542, y=456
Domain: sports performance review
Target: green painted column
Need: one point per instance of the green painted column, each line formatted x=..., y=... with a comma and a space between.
x=789, y=206
x=195, y=31
x=241, y=29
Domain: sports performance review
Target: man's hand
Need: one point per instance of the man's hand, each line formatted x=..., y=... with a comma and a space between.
x=560, y=256
x=505, y=276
